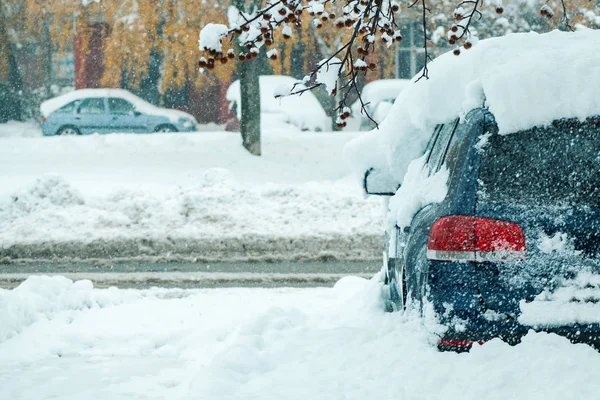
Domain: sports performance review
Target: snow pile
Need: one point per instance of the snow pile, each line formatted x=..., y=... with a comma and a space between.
x=348, y=348
x=523, y=77
x=217, y=208
x=417, y=190
x=275, y=344
x=19, y=129
x=49, y=106
x=46, y=192
x=303, y=111
x=43, y=297
x=189, y=195
x=573, y=301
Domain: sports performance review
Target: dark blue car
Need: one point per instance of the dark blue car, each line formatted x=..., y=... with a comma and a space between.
x=481, y=255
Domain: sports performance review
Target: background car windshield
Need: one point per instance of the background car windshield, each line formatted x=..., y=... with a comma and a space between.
x=558, y=164
x=120, y=106
x=92, y=106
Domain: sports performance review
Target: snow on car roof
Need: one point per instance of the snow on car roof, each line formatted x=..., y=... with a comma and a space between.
x=380, y=90
x=303, y=107
x=49, y=106
x=526, y=80
x=383, y=89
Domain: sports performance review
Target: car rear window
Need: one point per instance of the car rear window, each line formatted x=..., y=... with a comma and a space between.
x=557, y=164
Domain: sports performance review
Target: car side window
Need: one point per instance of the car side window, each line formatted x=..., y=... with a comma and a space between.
x=458, y=146
x=69, y=108
x=432, y=141
x=120, y=106
x=92, y=106
x=441, y=145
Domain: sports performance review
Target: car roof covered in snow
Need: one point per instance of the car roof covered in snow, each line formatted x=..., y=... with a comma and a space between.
x=49, y=106
x=379, y=90
x=303, y=107
x=526, y=80
x=383, y=89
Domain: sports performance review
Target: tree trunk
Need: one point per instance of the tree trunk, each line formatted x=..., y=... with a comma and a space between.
x=12, y=89
x=250, y=105
x=46, y=43
x=249, y=97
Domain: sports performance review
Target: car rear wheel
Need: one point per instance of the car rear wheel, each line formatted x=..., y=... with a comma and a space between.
x=396, y=286
x=68, y=131
x=165, y=128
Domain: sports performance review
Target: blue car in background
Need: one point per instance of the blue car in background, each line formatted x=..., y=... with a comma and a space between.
x=87, y=111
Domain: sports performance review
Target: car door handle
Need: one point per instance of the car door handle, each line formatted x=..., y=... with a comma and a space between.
x=77, y=117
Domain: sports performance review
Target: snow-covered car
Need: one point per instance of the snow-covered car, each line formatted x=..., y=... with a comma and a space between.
x=496, y=224
x=378, y=97
x=88, y=111
x=303, y=112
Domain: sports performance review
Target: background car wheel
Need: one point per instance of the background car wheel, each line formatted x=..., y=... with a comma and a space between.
x=165, y=128
x=68, y=131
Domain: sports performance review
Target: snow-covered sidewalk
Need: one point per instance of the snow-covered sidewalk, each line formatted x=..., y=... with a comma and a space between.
x=196, y=196
x=64, y=340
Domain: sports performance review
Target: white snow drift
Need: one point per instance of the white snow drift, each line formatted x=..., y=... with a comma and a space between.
x=65, y=340
x=156, y=194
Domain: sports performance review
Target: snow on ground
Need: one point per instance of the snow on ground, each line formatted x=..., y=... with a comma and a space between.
x=13, y=129
x=198, y=194
x=64, y=340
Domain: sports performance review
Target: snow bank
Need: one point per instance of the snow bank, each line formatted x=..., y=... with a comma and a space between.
x=49, y=106
x=348, y=348
x=42, y=297
x=13, y=129
x=526, y=80
x=50, y=213
x=303, y=111
x=183, y=195
x=275, y=344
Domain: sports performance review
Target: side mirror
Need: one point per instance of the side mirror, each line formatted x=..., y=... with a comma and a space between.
x=137, y=113
x=380, y=182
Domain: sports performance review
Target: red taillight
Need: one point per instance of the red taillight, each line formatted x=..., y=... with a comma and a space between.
x=464, y=238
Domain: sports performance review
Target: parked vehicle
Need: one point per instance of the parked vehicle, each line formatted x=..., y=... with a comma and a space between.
x=476, y=255
x=504, y=236
x=378, y=97
x=87, y=111
x=303, y=112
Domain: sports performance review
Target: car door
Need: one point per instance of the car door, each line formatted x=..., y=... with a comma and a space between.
x=91, y=116
x=455, y=152
x=406, y=238
x=123, y=117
